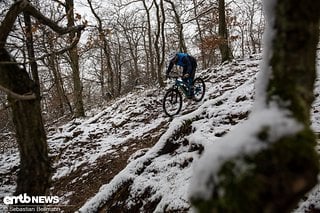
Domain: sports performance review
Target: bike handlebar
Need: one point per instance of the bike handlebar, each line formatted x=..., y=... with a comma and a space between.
x=174, y=76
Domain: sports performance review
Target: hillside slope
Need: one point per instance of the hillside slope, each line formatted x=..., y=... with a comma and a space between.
x=158, y=181
x=130, y=157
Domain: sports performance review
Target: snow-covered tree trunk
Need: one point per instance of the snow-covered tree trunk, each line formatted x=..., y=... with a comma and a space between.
x=269, y=162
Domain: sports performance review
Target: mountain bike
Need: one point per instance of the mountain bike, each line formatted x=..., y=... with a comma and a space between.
x=172, y=101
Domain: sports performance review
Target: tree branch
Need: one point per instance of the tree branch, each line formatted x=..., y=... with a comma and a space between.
x=72, y=45
x=58, y=52
x=200, y=14
x=25, y=97
x=25, y=6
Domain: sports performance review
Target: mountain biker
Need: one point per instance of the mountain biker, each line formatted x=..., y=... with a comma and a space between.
x=189, y=64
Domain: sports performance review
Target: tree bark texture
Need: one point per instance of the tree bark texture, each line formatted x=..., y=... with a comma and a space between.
x=225, y=50
x=34, y=172
x=294, y=54
x=277, y=177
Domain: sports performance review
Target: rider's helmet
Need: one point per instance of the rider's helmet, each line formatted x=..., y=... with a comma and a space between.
x=171, y=55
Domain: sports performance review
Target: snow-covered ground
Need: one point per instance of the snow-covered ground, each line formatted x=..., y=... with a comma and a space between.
x=156, y=176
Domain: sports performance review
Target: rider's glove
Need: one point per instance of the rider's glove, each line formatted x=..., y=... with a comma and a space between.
x=186, y=75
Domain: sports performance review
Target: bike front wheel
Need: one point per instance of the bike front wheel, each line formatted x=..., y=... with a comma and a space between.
x=172, y=102
x=199, y=89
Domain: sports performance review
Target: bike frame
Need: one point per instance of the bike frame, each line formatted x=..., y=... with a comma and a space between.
x=180, y=84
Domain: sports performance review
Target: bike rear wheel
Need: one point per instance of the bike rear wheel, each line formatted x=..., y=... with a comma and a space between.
x=172, y=102
x=199, y=89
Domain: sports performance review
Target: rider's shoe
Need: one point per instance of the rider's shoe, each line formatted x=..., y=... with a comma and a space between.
x=190, y=95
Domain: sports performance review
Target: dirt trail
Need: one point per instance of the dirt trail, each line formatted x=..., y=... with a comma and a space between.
x=85, y=182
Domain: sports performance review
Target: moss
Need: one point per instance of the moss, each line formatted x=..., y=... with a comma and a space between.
x=263, y=135
x=293, y=59
x=274, y=179
x=279, y=175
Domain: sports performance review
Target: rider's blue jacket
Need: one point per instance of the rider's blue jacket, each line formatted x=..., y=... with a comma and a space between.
x=184, y=60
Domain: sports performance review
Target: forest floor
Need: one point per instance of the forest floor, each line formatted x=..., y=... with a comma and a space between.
x=103, y=170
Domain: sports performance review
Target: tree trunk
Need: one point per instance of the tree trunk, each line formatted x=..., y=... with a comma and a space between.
x=225, y=50
x=24, y=98
x=195, y=11
x=276, y=177
x=163, y=36
x=34, y=172
x=157, y=48
x=74, y=62
x=150, y=49
x=57, y=79
x=294, y=54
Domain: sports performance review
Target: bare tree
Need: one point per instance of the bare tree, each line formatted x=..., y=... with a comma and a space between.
x=182, y=43
x=157, y=40
x=52, y=62
x=24, y=98
x=206, y=17
x=103, y=33
x=149, y=49
x=74, y=62
x=131, y=30
x=195, y=11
